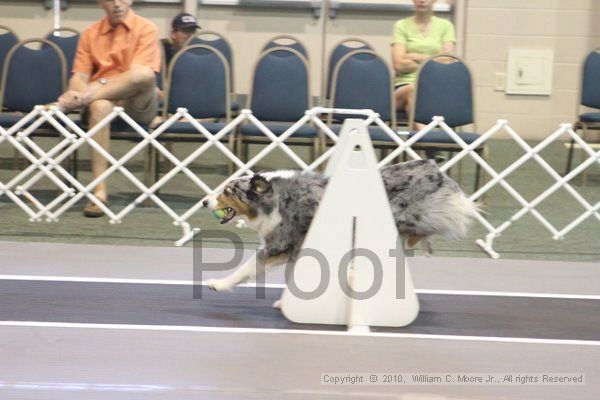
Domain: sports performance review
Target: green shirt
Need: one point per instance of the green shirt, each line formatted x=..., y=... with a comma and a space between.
x=406, y=31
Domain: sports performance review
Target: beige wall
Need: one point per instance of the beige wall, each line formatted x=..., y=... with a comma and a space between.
x=570, y=28
x=491, y=28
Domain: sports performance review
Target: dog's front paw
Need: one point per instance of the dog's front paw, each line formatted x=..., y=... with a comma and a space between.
x=219, y=285
x=277, y=304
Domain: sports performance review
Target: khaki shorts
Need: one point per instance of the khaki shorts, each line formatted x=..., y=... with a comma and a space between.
x=144, y=116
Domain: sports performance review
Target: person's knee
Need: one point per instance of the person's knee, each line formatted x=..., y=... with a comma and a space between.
x=142, y=77
x=99, y=109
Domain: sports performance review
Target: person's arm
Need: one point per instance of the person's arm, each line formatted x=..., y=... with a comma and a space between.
x=402, y=61
x=448, y=40
x=82, y=69
x=79, y=81
x=448, y=48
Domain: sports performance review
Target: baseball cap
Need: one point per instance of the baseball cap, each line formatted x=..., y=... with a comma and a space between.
x=184, y=21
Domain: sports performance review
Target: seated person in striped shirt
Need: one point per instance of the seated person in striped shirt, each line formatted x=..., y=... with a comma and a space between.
x=115, y=64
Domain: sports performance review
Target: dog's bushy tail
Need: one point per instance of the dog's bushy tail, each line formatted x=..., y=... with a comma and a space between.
x=450, y=216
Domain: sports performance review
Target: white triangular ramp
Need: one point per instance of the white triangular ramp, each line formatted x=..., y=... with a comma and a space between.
x=355, y=192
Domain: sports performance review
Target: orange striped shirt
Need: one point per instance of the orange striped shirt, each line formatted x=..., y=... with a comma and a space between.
x=105, y=50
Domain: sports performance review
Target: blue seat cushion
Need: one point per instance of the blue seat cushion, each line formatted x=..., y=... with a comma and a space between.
x=117, y=125
x=442, y=137
x=186, y=127
x=278, y=128
x=8, y=120
x=376, y=133
x=590, y=117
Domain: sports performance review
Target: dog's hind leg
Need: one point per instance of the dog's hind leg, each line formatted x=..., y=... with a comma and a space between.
x=426, y=247
x=250, y=269
x=412, y=241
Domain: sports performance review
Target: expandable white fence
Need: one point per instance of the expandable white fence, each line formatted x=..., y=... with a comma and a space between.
x=48, y=164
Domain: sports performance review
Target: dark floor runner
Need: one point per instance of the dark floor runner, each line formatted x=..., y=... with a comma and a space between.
x=120, y=303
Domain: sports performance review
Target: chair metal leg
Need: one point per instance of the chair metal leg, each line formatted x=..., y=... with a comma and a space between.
x=479, y=179
x=460, y=169
x=384, y=152
x=314, y=150
x=18, y=160
x=150, y=166
x=239, y=141
x=246, y=150
x=477, y=172
x=169, y=147
x=157, y=157
x=150, y=171
x=231, y=143
x=570, y=157
x=75, y=166
x=583, y=155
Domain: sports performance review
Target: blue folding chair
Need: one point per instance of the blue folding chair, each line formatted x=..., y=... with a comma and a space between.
x=198, y=80
x=340, y=50
x=66, y=39
x=30, y=77
x=286, y=41
x=7, y=40
x=363, y=80
x=219, y=42
x=445, y=89
x=590, y=97
x=279, y=97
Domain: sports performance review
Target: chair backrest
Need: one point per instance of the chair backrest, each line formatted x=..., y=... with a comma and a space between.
x=217, y=41
x=199, y=81
x=66, y=39
x=590, y=85
x=32, y=76
x=286, y=41
x=443, y=89
x=340, y=50
x=280, y=86
x=7, y=40
x=363, y=80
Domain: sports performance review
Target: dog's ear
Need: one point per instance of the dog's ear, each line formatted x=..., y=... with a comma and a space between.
x=259, y=185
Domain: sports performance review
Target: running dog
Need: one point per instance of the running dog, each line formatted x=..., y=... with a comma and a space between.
x=280, y=206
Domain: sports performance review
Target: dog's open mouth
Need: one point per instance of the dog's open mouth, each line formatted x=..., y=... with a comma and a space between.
x=224, y=215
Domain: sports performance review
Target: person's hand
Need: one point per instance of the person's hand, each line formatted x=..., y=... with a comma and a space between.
x=447, y=48
x=68, y=100
x=73, y=99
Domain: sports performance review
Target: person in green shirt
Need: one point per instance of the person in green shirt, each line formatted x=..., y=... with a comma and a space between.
x=414, y=40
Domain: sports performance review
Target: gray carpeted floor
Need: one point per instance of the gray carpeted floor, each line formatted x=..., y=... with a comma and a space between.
x=148, y=225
